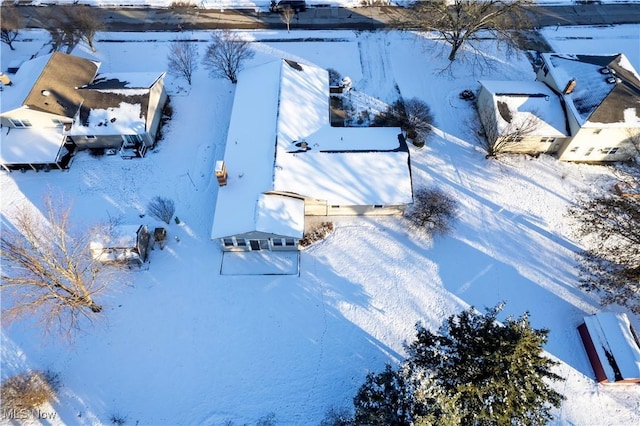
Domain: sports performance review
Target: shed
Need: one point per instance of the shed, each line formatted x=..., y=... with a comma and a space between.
x=123, y=244
x=612, y=347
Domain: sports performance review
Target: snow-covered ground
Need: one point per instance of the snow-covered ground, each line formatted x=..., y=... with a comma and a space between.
x=183, y=344
x=263, y=4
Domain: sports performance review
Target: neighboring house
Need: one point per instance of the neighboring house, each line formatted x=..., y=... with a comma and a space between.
x=612, y=347
x=600, y=99
x=522, y=116
x=124, y=244
x=283, y=161
x=58, y=103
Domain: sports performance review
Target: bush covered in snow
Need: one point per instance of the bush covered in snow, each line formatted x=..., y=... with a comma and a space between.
x=318, y=233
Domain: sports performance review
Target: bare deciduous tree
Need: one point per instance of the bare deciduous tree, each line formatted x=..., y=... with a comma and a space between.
x=226, y=53
x=464, y=22
x=183, y=58
x=48, y=271
x=508, y=138
x=286, y=15
x=161, y=208
x=10, y=25
x=69, y=25
x=413, y=116
x=433, y=211
x=610, y=228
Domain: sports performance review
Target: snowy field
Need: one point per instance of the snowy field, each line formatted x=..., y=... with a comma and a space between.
x=181, y=344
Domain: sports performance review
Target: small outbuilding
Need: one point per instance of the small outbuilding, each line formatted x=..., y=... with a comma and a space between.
x=612, y=347
x=124, y=244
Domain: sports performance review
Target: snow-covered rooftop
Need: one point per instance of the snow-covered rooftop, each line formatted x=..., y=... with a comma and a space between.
x=615, y=344
x=607, y=88
x=30, y=145
x=14, y=95
x=124, y=119
x=280, y=214
x=116, y=81
x=265, y=152
x=527, y=100
x=345, y=166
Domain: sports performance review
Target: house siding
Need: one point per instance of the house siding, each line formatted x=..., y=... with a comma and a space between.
x=266, y=240
x=100, y=141
x=157, y=99
x=36, y=118
x=595, y=144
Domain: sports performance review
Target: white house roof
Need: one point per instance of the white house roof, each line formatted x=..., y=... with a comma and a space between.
x=124, y=119
x=345, y=166
x=527, y=100
x=607, y=88
x=13, y=96
x=280, y=214
x=611, y=332
x=250, y=150
x=30, y=145
x=283, y=103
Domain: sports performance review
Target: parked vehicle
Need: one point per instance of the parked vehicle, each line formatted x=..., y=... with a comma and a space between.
x=296, y=5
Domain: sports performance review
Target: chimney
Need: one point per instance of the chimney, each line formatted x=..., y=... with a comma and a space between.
x=570, y=86
x=4, y=79
x=221, y=173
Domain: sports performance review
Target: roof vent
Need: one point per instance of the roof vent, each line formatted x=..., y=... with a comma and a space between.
x=613, y=80
x=605, y=70
x=45, y=93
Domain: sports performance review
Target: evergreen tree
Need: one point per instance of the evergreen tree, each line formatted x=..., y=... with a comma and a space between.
x=495, y=371
x=383, y=400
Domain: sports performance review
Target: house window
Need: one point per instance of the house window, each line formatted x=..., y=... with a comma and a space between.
x=545, y=69
x=20, y=123
x=58, y=123
x=91, y=137
x=378, y=206
x=609, y=151
x=548, y=140
x=241, y=242
x=277, y=242
x=588, y=153
x=335, y=207
x=290, y=242
x=574, y=149
x=132, y=140
x=228, y=242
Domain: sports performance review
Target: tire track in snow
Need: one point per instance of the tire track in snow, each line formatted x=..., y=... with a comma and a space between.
x=377, y=77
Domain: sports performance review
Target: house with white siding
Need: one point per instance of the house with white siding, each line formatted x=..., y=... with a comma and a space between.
x=284, y=161
x=58, y=103
x=599, y=99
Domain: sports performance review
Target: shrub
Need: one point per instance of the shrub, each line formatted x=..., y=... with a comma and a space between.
x=432, y=211
x=28, y=390
x=162, y=209
x=318, y=233
x=335, y=78
x=96, y=152
x=118, y=419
